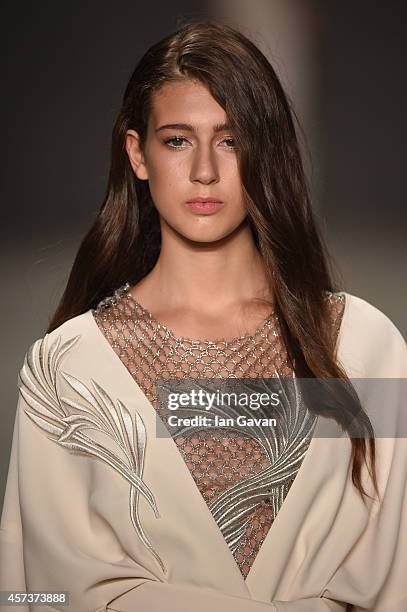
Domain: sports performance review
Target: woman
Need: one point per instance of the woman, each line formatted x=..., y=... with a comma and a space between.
x=204, y=262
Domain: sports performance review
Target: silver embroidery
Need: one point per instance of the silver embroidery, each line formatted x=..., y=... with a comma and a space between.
x=232, y=510
x=96, y=411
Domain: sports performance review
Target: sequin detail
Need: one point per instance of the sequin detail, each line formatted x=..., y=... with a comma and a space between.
x=243, y=479
x=65, y=419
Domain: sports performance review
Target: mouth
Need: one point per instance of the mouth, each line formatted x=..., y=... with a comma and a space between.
x=204, y=207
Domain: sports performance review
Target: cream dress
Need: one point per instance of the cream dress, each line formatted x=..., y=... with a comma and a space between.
x=101, y=504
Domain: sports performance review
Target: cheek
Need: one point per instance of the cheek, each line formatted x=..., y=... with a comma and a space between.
x=229, y=175
x=166, y=186
x=167, y=173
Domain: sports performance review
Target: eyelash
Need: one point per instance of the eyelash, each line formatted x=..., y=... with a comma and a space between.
x=172, y=138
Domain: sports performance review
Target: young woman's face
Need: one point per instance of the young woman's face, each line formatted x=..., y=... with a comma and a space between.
x=182, y=163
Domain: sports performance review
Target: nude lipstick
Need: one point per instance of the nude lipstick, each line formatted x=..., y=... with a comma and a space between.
x=204, y=206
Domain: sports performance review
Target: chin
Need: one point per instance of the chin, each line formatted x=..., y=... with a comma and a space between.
x=205, y=232
x=207, y=237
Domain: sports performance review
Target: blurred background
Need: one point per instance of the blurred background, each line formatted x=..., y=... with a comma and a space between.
x=65, y=67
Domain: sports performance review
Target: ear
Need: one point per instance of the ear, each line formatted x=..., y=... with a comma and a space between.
x=135, y=154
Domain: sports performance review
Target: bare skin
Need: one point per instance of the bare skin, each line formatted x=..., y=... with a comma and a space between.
x=209, y=270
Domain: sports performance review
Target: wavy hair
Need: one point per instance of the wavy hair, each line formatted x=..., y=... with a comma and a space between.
x=124, y=241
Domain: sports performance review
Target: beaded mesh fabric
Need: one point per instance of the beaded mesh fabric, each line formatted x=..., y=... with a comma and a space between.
x=243, y=476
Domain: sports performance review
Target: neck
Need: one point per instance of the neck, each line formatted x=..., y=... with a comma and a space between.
x=206, y=276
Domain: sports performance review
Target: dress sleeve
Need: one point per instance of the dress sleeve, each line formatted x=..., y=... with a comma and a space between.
x=373, y=574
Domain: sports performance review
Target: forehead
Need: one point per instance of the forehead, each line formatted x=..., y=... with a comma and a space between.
x=185, y=101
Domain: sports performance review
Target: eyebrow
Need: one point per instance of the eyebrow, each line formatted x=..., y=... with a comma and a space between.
x=219, y=127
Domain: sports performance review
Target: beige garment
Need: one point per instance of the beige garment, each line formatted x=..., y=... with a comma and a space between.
x=99, y=505
x=243, y=474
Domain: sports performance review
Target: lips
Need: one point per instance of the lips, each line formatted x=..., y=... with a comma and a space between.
x=204, y=206
x=204, y=200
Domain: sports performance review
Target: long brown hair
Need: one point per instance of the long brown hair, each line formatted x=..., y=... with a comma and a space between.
x=124, y=242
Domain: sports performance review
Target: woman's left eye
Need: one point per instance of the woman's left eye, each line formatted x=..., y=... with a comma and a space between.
x=230, y=140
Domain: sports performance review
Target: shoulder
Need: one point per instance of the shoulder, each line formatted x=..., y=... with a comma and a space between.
x=60, y=367
x=367, y=322
x=73, y=341
x=81, y=324
x=369, y=343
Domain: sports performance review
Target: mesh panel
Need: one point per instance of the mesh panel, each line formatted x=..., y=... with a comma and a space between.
x=232, y=471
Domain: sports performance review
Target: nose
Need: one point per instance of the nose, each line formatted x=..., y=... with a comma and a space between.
x=204, y=168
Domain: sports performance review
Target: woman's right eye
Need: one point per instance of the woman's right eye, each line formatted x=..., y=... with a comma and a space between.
x=174, y=139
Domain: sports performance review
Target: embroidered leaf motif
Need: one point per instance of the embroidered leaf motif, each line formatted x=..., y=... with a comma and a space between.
x=65, y=419
x=233, y=508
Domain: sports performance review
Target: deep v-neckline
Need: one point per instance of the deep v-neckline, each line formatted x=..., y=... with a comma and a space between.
x=289, y=499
